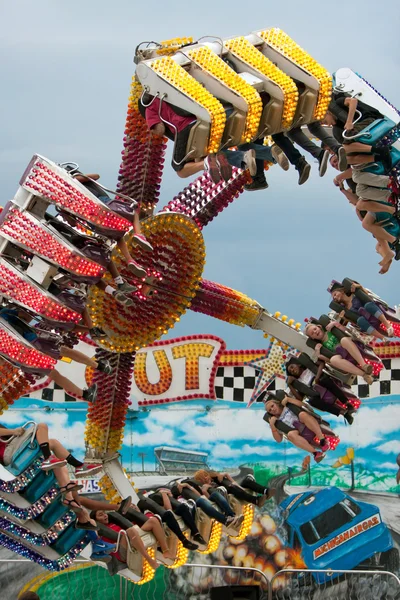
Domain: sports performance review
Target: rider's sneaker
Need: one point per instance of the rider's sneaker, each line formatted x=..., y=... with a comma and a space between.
x=90, y=393
x=280, y=157
x=318, y=456
x=104, y=366
x=142, y=241
x=211, y=167
x=136, y=269
x=122, y=299
x=127, y=288
x=323, y=162
x=249, y=160
x=88, y=469
x=342, y=159
x=303, y=169
x=258, y=183
x=96, y=332
x=224, y=167
x=101, y=557
x=52, y=463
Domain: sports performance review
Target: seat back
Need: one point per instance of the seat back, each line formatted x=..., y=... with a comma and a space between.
x=234, y=128
x=204, y=524
x=41, y=484
x=374, y=132
x=25, y=455
x=53, y=512
x=271, y=118
x=197, y=143
x=305, y=107
x=134, y=560
x=68, y=539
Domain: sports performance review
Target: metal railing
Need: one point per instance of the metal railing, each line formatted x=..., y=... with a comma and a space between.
x=320, y=584
x=196, y=580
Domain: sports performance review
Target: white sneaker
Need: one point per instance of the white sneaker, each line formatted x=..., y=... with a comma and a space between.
x=280, y=157
x=249, y=160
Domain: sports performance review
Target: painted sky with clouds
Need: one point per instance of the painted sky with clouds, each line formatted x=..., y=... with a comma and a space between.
x=65, y=73
x=232, y=435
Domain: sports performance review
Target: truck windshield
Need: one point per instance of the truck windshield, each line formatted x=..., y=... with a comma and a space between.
x=329, y=521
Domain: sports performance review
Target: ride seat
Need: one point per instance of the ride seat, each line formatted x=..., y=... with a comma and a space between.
x=271, y=118
x=68, y=539
x=305, y=107
x=197, y=143
x=374, y=132
x=234, y=128
x=26, y=454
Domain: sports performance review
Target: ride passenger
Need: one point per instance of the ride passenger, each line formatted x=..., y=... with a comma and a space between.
x=348, y=356
x=211, y=480
x=356, y=299
x=300, y=427
x=323, y=394
x=340, y=116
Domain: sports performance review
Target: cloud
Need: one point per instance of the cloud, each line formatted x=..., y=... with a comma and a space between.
x=156, y=435
x=392, y=447
x=370, y=426
x=234, y=425
x=387, y=465
x=226, y=451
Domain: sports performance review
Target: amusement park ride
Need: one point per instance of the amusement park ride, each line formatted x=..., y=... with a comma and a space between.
x=35, y=254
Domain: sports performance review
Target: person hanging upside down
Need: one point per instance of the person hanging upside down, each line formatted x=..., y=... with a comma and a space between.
x=138, y=514
x=219, y=165
x=109, y=533
x=189, y=489
x=164, y=500
x=321, y=390
x=211, y=480
x=361, y=309
x=347, y=354
x=300, y=427
x=55, y=456
x=340, y=116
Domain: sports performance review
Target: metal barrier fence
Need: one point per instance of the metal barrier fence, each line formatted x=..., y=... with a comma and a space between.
x=314, y=584
x=196, y=581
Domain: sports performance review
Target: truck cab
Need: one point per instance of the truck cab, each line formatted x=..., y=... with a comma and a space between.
x=333, y=531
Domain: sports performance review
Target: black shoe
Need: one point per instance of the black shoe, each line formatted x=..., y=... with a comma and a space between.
x=199, y=540
x=90, y=394
x=256, y=184
x=113, y=566
x=303, y=169
x=104, y=366
x=127, y=288
x=189, y=545
x=349, y=417
x=86, y=526
x=96, y=332
x=124, y=505
x=342, y=159
x=323, y=162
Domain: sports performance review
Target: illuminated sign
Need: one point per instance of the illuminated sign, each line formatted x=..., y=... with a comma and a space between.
x=347, y=535
x=180, y=369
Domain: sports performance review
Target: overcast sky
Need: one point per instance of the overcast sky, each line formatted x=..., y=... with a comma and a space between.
x=65, y=74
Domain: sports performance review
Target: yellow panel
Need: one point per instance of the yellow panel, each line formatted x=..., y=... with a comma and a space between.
x=211, y=63
x=279, y=40
x=181, y=80
x=171, y=46
x=244, y=50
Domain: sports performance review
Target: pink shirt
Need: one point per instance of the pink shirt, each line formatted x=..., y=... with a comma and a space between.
x=167, y=113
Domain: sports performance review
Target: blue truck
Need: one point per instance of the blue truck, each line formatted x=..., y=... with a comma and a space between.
x=333, y=531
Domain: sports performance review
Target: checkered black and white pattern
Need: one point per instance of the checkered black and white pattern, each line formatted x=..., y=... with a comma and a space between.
x=237, y=384
x=52, y=393
x=388, y=381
